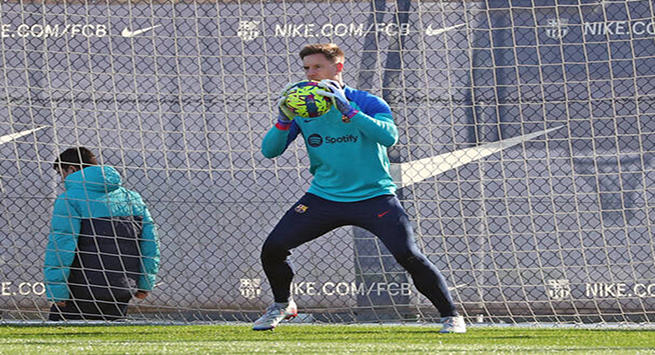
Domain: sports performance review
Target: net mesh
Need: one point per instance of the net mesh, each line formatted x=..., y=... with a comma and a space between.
x=525, y=159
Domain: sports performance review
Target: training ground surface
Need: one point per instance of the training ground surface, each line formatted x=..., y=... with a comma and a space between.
x=317, y=339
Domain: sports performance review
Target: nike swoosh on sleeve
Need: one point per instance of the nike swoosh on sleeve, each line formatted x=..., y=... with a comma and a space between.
x=405, y=174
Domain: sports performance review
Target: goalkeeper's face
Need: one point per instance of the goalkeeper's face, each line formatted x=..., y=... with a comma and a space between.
x=318, y=67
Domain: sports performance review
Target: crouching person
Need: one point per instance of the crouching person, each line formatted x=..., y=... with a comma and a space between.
x=103, y=247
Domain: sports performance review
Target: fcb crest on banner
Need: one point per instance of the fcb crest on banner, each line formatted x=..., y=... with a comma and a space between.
x=248, y=30
x=250, y=288
x=557, y=28
x=559, y=289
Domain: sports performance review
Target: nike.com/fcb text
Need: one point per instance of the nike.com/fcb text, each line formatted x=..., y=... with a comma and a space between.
x=307, y=30
x=50, y=30
x=619, y=290
x=21, y=288
x=351, y=288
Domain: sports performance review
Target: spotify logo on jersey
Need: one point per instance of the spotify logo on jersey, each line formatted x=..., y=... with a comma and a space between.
x=315, y=140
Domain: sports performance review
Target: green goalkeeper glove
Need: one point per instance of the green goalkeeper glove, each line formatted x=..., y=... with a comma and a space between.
x=285, y=116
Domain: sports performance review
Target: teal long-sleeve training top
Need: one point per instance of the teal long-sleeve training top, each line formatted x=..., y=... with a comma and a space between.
x=348, y=160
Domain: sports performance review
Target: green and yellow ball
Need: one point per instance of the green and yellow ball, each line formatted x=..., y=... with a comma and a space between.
x=303, y=100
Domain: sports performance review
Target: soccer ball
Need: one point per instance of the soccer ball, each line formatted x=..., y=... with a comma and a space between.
x=303, y=100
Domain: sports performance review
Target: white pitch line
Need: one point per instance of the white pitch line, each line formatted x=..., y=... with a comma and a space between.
x=415, y=171
x=10, y=137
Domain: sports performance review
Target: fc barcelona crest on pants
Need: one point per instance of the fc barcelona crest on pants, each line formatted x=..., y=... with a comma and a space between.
x=301, y=208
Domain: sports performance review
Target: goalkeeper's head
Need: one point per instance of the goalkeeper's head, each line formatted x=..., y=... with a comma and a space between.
x=322, y=61
x=73, y=160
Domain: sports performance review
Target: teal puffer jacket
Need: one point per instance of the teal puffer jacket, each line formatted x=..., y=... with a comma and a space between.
x=95, y=200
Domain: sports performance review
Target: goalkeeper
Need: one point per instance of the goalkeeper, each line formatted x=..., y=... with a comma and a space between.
x=102, y=249
x=351, y=186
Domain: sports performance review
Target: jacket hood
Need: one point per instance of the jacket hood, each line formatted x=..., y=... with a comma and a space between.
x=94, y=178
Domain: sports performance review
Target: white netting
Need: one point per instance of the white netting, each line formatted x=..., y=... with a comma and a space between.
x=527, y=134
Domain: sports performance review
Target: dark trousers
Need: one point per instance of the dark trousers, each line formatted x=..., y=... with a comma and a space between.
x=80, y=309
x=383, y=216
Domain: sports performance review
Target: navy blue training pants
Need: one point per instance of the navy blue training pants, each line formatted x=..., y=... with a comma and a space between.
x=383, y=216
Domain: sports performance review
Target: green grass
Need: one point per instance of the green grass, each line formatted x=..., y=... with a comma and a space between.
x=316, y=339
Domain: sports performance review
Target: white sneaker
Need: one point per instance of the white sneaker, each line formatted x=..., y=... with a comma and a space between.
x=454, y=324
x=275, y=313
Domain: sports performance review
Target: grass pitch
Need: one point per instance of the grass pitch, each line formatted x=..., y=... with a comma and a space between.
x=317, y=339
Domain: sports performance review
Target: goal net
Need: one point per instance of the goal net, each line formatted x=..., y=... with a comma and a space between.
x=525, y=158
